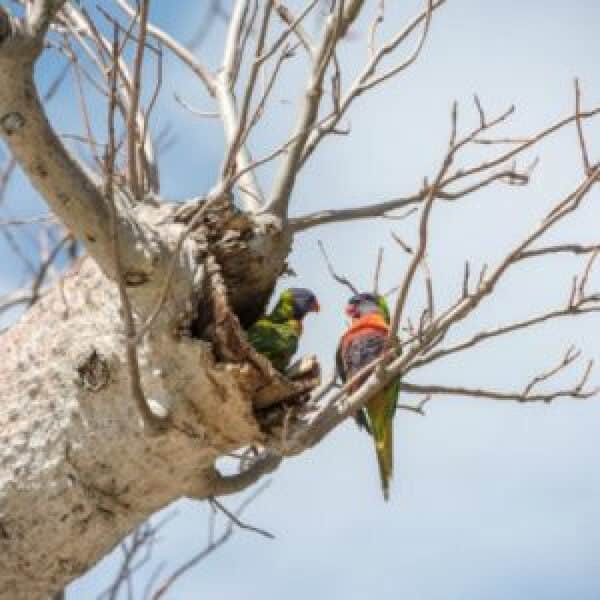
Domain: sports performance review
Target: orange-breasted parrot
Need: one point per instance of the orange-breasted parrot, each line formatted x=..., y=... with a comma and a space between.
x=276, y=335
x=360, y=345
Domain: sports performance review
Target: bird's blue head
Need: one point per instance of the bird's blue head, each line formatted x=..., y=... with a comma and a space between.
x=366, y=303
x=295, y=303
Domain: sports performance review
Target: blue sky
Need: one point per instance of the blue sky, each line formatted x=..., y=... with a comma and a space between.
x=489, y=500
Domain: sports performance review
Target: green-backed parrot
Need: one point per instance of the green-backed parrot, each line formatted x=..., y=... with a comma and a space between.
x=276, y=335
x=361, y=344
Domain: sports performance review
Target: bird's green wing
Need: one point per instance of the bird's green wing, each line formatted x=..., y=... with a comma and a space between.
x=277, y=341
x=385, y=309
x=392, y=392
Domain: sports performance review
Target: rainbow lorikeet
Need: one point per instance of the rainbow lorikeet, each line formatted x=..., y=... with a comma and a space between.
x=360, y=345
x=276, y=335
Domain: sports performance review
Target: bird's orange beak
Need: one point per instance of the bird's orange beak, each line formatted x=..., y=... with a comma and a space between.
x=315, y=306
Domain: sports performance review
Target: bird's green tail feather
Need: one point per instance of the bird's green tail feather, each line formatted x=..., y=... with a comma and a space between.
x=381, y=422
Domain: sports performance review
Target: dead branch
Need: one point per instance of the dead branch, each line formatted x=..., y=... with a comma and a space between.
x=506, y=174
x=576, y=392
x=295, y=25
x=377, y=272
x=137, y=551
x=155, y=422
x=233, y=518
x=336, y=25
x=368, y=79
x=174, y=46
x=419, y=254
x=133, y=134
x=587, y=167
x=339, y=278
x=212, y=546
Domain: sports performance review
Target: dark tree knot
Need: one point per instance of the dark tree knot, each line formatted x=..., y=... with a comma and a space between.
x=136, y=278
x=94, y=372
x=12, y=122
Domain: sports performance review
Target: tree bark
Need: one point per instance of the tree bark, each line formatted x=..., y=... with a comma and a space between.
x=78, y=470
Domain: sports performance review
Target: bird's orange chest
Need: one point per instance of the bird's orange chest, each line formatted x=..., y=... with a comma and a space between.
x=368, y=325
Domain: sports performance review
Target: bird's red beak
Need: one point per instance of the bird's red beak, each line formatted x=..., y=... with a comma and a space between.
x=315, y=306
x=351, y=311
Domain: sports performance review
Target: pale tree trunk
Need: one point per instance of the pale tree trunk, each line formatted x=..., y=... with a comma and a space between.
x=78, y=468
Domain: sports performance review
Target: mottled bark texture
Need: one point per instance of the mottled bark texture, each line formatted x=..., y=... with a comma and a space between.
x=77, y=468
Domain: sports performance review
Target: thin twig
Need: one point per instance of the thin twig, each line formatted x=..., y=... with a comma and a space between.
x=377, y=273
x=134, y=134
x=212, y=545
x=232, y=517
x=339, y=278
x=419, y=254
x=153, y=421
x=587, y=169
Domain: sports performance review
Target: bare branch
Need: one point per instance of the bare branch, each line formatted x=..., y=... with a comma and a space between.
x=341, y=405
x=576, y=392
x=241, y=132
x=586, y=306
x=377, y=21
x=82, y=26
x=288, y=18
x=365, y=79
x=154, y=422
x=479, y=107
x=570, y=356
x=405, y=247
x=339, y=278
x=419, y=254
x=135, y=136
x=41, y=14
x=234, y=519
x=560, y=248
x=336, y=25
x=419, y=408
x=504, y=175
x=44, y=267
x=213, y=544
x=377, y=273
x=16, y=298
x=204, y=114
x=252, y=194
x=178, y=49
x=294, y=26
x=225, y=485
x=587, y=168
x=30, y=221
x=527, y=144
x=324, y=217
x=73, y=193
x=388, y=48
x=143, y=539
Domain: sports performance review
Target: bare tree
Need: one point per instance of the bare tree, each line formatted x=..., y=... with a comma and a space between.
x=133, y=365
